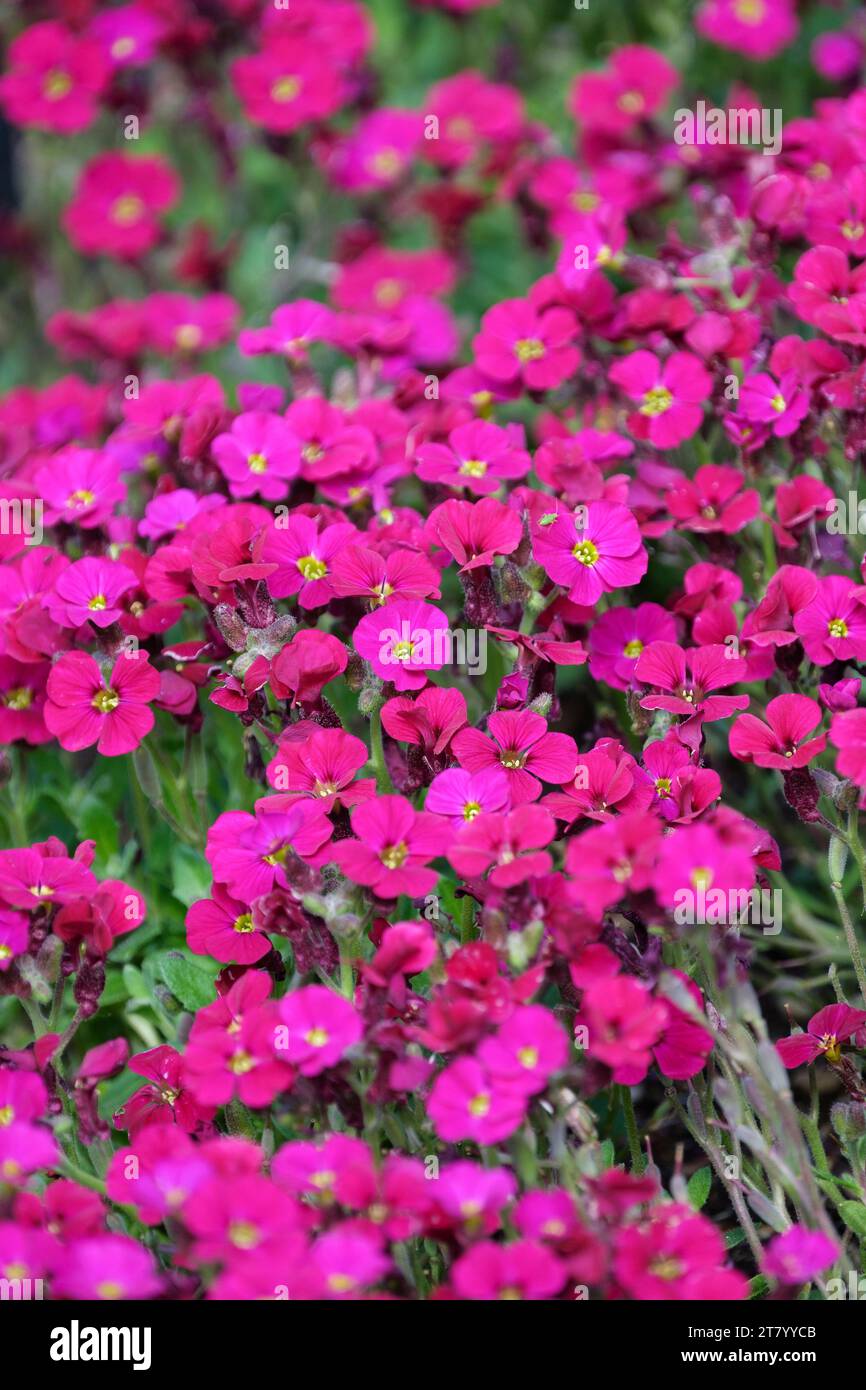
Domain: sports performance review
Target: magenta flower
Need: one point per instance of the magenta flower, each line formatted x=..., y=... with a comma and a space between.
x=347, y=1262
x=223, y=1063
x=524, y=1269
x=623, y=1022
x=173, y=512
x=471, y=1198
x=783, y=405
x=108, y=1268
x=827, y=1030
x=22, y=701
x=249, y=853
x=519, y=743
x=614, y=859
x=90, y=590
x=685, y=679
x=633, y=88
x=118, y=203
x=699, y=862
x=287, y=84
x=508, y=848
x=713, y=501
x=259, y=456
x=29, y=879
x=430, y=721
x=478, y=456
x=301, y=554
x=466, y=1102
x=519, y=342
x=393, y=847
x=783, y=740
x=526, y=1051
x=606, y=782
x=80, y=486
x=619, y=636
x=403, y=641
x=591, y=555
x=222, y=927
x=14, y=937
x=291, y=331
x=84, y=708
x=364, y=573
x=799, y=1255
x=322, y=767
x=758, y=29
x=675, y=1254
x=474, y=533
x=318, y=1029
x=461, y=795
x=848, y=734
x=54, y=79
x=832, y=627
x=670, y=395
x=166, y=1099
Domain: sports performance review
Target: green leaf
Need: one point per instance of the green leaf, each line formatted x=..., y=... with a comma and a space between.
x=190, y=983
x=698, y=1187
x=854, y=1216
x=190, y=875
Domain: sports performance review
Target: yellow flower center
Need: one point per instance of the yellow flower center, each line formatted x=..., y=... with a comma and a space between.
x=82, y=497
x=56, y=85
x=341, y=1283
x=7, y=1112
x=656, y=401
x=529, y=349
x=633, y=648
x=394, y=856
x=402, y=651
x=121, y=48
x=512, y=758
x=837, y=627
x=480, y=1104
x=510, y=1294
x=388, y=293
x=528, y=1057
x=473, y=468
x=778, y=403
x=98, y=603
x=41, y=890
x=852, y=231
x=241, y=1063
x=586, y=553
x=127, y=209
x=19, y=697
x=316, y=1037
x=471, y=810
x=105, y=700
x=244, y=1235
x=285, y=89
x=830, y=1047
x=632, y=102
x=257, y=463
x=386, y=163
x=663, y=786
x=666, y=1268
x=750, y=11
x=243, y=924
x=110, y=1290
x=188, y=336
x=701, y=878
x=312, y=568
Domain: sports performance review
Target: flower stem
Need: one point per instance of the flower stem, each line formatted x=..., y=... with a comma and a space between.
x=384, y=784
x=836, y=863
x=637, y=1158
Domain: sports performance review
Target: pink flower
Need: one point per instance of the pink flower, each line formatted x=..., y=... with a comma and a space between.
x=177, y=323
x=83, y=708
x=784, y=405
x=783, y=740
x=518, y=342
x=594, y=555
x=29, y=879
x=696, y=866
x=525, y=1269
x=509, y=846
x=90, y=590
x=635, y=86
x=611, y=860
x=80, y=486
x=827, y=1030
x=319, y=1027
x=378, y=151
x=843, y=695
x=287, y=84
x=14, y=937
x=301, y=555
x=430, y=721
x=347, y=1262
x=473, y=533
x=403, y=641
x=685, y=1044
x=689, y=677
x=712, y=501
x=248, y=853
x=675, y=1254
x=118, y=203
x=259, y=456
x=470, y=1198
x=519, y=743
x=291, y=331
x=106, y=1267
x=606, y=782
x=619, y=636
x=463, y=795
x=222, y=927
x=832, y=627
x=222, y=1063
x=622, y=1022
x=466, y=1102
x=322, y=767
x=393, y=846
x=848, y=734
x=130, y=35
x=670, y=395
x=526, y=1051
x=306, y=664
x=53, y=80
x=22, y=701
x=471, y=112
x=827, y=293
x=756, y=28
x=478, y=456
x=799, y=1255
x=166, y=1100
x=358, y=571
x=171, y=512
